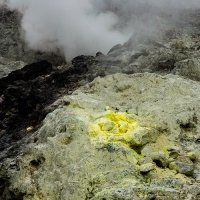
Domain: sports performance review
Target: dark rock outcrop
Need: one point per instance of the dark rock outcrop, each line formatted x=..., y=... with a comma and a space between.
x=25, y=95
x=29, y=72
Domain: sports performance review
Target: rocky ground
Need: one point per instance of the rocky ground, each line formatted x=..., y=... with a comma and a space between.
x=132, y=133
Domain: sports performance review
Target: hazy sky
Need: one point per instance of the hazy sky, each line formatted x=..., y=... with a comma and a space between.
x=87, y=26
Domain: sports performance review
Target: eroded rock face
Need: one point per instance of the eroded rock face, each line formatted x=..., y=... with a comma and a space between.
x=85, y=148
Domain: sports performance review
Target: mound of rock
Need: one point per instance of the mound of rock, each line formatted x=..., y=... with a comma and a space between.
x=118, y=137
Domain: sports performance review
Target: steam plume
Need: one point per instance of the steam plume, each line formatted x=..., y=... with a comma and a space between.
x=87, y=26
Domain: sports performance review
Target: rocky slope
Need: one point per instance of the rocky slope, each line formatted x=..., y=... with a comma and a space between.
x=119, y=137
x=131, y=135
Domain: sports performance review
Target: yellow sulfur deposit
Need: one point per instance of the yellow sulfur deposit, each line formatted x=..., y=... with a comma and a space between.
x=28, y=129
x=113, y=127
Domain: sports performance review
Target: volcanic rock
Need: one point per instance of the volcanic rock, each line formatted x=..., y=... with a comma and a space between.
x=183, y=165
x=74, y=158
x=120, y=136
x=26, y=94
x=145, y=168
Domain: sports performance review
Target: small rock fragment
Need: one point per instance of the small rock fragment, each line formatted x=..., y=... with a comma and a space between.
x=145, y=168
x=145, y=160
x=143, y=136
x=29, y=129
x=108, y=126
x=174, y=152
x=192, y=155
x=158, y=157
x=183, y=165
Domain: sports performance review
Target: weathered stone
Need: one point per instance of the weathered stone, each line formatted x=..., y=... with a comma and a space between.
x=7, y=66
x=189, y=68
x=145, y=168
x=142, y=136
x=192, y=155
x=108, y=126
x=145, y=160
x=196, y=172
x=183, y=165
x=174, y=152
x=159, y=157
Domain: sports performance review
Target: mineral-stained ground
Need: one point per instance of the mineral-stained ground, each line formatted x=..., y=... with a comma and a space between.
x=121, y=126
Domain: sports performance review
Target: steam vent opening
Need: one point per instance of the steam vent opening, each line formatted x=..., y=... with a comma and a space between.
x=99, y=100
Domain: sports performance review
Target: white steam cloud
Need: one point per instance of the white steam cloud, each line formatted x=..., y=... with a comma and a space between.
x=87, y=26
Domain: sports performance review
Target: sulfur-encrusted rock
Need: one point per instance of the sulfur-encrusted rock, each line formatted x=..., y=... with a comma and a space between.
x=145, y=160
x=156, y=154
x=183, y=165
x=142, y=136
x=83, y=149
x=174, y=152
x=145, y=168
x=192, y=155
